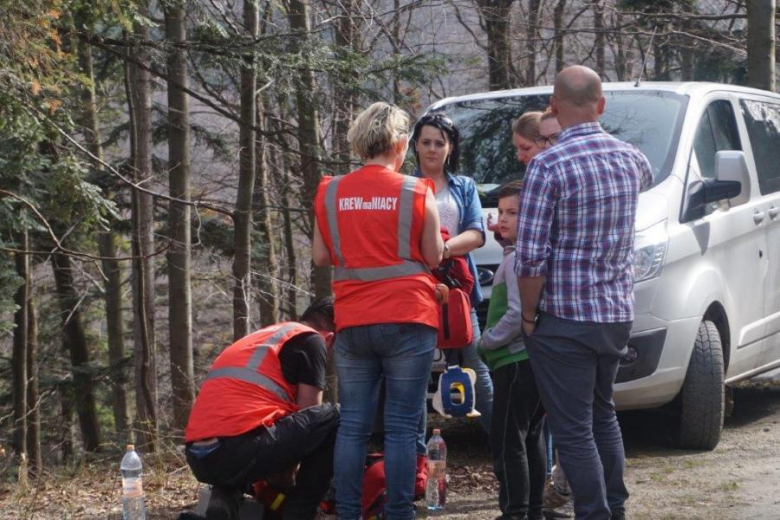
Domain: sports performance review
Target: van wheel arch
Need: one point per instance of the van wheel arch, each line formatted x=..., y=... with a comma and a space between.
x=717, y=315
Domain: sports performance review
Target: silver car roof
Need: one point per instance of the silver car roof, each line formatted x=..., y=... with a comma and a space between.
x=690, y=88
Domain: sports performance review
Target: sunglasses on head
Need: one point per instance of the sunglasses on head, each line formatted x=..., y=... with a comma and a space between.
x=436, y=118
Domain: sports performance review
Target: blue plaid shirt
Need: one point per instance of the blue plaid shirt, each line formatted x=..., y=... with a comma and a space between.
x=576, y=224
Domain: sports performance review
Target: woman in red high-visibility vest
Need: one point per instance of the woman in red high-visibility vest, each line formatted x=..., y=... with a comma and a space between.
x=380, y=231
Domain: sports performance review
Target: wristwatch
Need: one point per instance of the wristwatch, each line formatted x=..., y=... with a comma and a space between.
x=533, y=321
x=447, y=252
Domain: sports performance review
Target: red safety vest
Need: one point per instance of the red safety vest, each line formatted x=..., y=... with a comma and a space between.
x=371, y=220
x=245, y=387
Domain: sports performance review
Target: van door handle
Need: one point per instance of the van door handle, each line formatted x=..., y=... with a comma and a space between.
x=758, y=216
x=773, y=212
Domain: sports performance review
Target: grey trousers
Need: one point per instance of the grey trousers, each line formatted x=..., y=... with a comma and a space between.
x=575, y=364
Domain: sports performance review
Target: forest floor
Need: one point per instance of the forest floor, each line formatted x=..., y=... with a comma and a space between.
x=740, y=479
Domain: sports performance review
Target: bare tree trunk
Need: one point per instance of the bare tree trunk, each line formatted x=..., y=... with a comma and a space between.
x=687, y=56
x=761, y=43
x=292, y=257
x=20, y=343
x=65, y=423
x=111, y=267
x=285, y=187
x=343, y=97
x=115, y=325
x=621, y=62
x=496, y=15
x=179, y=293
x=308, y=132
x=660, y=58
x=33, y=395
x=143, y=247
x=601, y=36
x=75, y=342
x=560, y=10
x=532, y=34
x=396, y=32
x=242, y=216
x=266, y=281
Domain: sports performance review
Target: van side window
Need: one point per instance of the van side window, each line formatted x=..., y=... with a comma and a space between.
x=763, y=126
x=717, y=131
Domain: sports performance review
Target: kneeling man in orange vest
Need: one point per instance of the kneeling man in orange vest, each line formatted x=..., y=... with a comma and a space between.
x=260, y=415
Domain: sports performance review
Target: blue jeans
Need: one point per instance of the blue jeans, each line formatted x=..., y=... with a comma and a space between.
x=402, y=354
x=483, y=386
x=575, y=364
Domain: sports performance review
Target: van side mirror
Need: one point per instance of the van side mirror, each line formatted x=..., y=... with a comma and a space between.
x=731, y=166
x=702, y=193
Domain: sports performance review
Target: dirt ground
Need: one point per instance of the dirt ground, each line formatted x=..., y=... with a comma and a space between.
x=740, y=479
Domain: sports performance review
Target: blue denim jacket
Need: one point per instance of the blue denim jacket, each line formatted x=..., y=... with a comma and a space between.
x=464, y=190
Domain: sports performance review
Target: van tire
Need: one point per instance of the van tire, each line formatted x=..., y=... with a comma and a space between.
x=703, y=392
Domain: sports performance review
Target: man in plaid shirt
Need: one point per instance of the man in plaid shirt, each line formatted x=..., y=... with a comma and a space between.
x=574, y=265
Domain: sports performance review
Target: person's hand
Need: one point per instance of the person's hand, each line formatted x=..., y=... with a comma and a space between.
x=529, y=324
x=529, y=328
x=442, y=293
x=490, y=224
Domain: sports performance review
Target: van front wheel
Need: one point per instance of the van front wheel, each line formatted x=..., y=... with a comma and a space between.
x=703, y=392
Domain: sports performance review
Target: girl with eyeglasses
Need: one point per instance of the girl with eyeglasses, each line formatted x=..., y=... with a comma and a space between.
x=534, y=132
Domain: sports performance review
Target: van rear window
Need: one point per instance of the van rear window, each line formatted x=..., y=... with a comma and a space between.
x=651, y=120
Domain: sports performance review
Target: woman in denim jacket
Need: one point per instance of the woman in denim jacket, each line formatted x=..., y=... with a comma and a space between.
x=435, y=143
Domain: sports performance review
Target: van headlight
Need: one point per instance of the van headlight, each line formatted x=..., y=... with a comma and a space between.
x=650, y=252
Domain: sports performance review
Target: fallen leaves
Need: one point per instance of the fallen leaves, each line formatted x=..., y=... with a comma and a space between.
x=468, y=479
x=95, y=492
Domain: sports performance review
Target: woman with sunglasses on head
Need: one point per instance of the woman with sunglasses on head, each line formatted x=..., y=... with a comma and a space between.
x=435, y=142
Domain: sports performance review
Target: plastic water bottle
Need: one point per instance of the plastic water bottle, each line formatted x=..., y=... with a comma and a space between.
x=132, y=489
x=436, y=489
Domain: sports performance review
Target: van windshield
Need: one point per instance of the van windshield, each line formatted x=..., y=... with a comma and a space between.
x=651, y=120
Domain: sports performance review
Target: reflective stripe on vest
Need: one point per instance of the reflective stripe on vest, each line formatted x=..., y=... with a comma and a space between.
x=371, y=274
x=249, y=373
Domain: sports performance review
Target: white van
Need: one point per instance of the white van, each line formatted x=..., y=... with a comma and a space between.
x=707, y=261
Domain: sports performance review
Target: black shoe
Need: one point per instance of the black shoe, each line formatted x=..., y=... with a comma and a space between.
x=223, y=504
x=554, y=514
x=618, y=516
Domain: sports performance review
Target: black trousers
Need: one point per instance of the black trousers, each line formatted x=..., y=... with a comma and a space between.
x=307, y=437
x=517, y=441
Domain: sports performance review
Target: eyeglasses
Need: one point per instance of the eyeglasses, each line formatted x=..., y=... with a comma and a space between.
x=545, y=141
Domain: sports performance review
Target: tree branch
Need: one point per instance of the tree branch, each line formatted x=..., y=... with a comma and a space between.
x=58, y=247
x=110, y=169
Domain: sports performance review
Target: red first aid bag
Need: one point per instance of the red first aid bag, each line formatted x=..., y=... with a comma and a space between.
x=455, y=321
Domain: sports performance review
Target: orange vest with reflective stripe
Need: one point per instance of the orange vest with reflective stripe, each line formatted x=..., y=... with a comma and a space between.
x=371, y=220
x=245, y=387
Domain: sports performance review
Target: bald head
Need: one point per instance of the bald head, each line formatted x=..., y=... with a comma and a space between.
x=577, y=96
